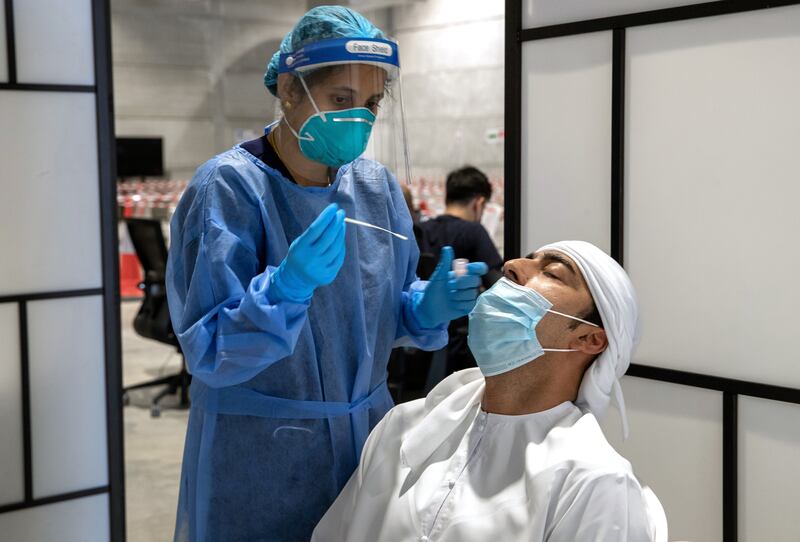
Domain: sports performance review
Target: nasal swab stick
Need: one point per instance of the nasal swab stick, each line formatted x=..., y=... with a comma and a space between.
x=368, y=225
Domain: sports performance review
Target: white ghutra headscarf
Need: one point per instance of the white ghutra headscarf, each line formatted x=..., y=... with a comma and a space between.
x=616, y=302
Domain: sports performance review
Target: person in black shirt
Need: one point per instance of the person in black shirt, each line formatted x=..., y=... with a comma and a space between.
x=467, y=193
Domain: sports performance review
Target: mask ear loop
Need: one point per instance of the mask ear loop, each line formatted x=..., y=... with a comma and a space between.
x=308, y=93
x=581, y=320
x=294, y=133
x=313, y=103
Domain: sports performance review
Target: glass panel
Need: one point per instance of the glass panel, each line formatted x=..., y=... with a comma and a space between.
x=546, y=12
x=711, y=193
x=68, y=405
x=49, y=193
x=11, y=462
x=769, y=480
x=566, y=140
x=675, y=447
x=69, y=521
x=54, y=41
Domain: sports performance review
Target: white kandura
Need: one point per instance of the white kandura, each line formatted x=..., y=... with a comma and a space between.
x=441, y=469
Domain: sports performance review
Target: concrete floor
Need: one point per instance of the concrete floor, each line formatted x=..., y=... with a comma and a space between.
x=153, y=446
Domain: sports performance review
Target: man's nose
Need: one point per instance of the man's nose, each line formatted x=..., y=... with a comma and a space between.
x=515, y=270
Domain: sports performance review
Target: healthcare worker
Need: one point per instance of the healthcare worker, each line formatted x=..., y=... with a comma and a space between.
x=286, y=315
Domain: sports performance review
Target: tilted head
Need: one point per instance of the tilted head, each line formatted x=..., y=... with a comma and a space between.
x=568, y=297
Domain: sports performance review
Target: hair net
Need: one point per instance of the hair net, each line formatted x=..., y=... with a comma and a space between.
x=616, y=302
x=320, y=23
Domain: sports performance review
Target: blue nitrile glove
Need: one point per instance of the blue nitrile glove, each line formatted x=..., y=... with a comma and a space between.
x=447, y=297
x=313, y=260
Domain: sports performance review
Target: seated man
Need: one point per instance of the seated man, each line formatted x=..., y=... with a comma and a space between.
x=515, y=453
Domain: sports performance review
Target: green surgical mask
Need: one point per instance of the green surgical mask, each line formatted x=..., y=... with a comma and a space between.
x=334, y=138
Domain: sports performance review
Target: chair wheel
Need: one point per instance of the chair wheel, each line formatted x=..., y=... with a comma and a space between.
x=126, y=399
x=155, y=411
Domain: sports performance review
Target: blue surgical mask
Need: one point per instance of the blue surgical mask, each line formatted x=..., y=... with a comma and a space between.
x=334, y=138
x=502, y=334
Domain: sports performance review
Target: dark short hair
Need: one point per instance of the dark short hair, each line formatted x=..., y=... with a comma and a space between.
x=466, y=184
x=592, y=315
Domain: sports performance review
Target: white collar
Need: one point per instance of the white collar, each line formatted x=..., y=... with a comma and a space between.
x=451, y=407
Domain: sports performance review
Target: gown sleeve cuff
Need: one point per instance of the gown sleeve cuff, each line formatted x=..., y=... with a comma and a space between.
x=411, y=332
x=265, y=314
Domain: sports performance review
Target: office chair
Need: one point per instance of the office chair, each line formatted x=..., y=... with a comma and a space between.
x=153, y=321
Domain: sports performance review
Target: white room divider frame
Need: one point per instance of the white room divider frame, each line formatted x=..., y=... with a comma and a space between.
x=108, y=292
x=516, y=36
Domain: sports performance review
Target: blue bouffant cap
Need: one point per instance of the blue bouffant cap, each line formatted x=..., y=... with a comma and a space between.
x=320, y=23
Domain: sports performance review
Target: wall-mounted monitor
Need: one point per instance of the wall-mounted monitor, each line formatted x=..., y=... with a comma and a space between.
x=140, y=157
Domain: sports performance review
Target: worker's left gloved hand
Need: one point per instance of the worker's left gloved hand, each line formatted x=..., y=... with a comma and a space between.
x=447, y=297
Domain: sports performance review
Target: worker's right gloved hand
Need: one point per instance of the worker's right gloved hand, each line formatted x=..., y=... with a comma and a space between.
x=314, y=259
x=447, y=297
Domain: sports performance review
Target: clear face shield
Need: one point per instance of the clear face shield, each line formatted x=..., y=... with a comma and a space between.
x=341, y=100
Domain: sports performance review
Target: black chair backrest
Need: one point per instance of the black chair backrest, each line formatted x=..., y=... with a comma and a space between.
x=148, y=241
x=427, y=260
x=153, y=320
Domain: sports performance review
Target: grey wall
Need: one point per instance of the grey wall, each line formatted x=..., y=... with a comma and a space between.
x=452, y=56
x=190, y=71
x=452, y=60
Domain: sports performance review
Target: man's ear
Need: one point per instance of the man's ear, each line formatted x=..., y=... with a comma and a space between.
x=478, y=205
x=594, y=342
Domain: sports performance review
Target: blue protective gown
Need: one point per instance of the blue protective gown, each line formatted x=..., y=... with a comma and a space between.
x=283, y=395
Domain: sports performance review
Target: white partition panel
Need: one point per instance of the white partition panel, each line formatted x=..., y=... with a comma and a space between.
x=61, y=470
x=769, y=476
x=3, y=51
x=566, y=140
x=712, y=169
x=50, y=192
x=12, y=486
x=67, y=369
x=675, y=447
x=81, y=520
x=59, y=53
x=546, y=12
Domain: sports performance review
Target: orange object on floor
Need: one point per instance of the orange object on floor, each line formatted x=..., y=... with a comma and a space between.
x=130, y=276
